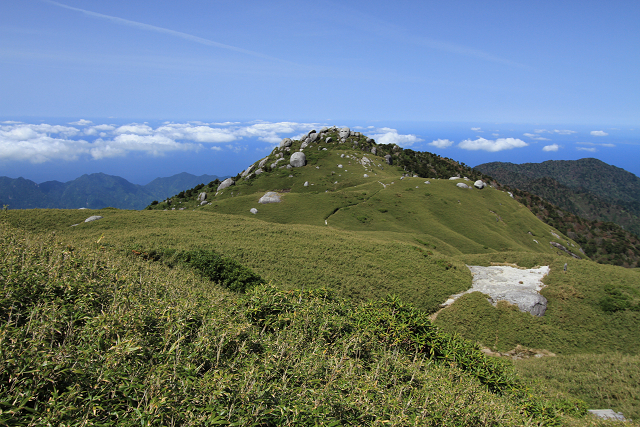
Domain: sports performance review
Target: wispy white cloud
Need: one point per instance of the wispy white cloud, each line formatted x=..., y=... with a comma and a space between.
x=552, y=147
x=441, y=143
x=167, y=31
x=591, y=149
x=596, y=144
x=598, y=133
x=536, y=137
x=82, y=122
x=476, y=129
x=391, y=136
x=558, y=131
x=499, y=144
x=135, y=129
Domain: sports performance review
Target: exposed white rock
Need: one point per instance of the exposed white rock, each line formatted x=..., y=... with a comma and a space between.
x=479, y=184
x=253, y=211
x=514, y=285
x=93, y=218
x=270, y=197
x=462, y=185
x=246, y=172
x=298, y=159
x=226, y=183
x=607, y=414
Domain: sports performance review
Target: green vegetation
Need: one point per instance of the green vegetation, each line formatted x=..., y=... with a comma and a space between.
x=607, y=380
x=595, y=204
x=93, y=339
x=207, y=314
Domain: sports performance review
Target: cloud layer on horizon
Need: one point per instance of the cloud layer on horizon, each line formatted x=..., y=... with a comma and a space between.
x=40, y=143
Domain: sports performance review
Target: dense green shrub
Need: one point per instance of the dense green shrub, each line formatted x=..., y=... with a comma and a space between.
x=224, y=271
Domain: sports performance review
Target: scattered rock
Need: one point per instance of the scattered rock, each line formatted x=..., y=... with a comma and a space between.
x=366, y=176
x=510, y=194
x=204, y=202
x=93, y=218
x=202, y=197
x=226, y=183
x=607, y=414
x=246, y=172
x=306, y=184
x=453, y=178
x=387, y=159
x=344, y=133
x=253, y=211
x=286, y=142
x=462, y=185
x=427, y=182
x=340, y=166
x=328, y=140
x=275, y=164
x=479, y=184
x=298, y=159
x=263, y=162
x=374, y=150
x=270, y=197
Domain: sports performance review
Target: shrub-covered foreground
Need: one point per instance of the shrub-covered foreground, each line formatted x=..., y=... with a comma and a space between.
x=91, y=338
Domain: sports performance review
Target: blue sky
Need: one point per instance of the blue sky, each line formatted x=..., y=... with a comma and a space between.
x=218, y=83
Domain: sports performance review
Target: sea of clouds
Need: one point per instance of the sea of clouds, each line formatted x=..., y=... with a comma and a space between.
x=39, y=143
x=83, y=139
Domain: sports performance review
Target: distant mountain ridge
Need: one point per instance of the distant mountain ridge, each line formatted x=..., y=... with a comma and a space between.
x=94, y=191
x=588, y=187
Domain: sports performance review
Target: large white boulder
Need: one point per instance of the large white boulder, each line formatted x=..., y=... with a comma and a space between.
x=298, y=159
x=226, y=183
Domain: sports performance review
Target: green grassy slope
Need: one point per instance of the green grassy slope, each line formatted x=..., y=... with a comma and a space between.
x=91, y=337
